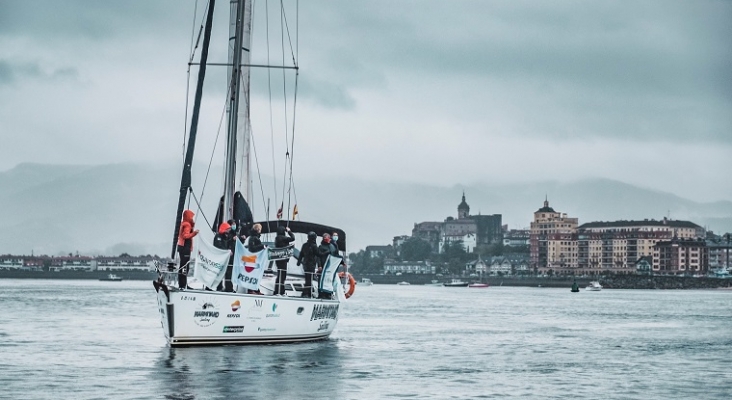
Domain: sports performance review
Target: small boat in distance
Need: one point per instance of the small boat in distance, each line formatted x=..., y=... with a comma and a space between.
x=111, y=277
x=478, y=285
x=456, y=283
x=594, y=286
x=434, y=282
x=366, y=282
x=403, y=283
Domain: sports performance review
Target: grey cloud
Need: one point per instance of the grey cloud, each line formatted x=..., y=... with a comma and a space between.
x=11, y=73
x=96, y=20
x=655, y=70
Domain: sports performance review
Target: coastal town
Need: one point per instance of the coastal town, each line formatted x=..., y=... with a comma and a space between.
x=555, y=244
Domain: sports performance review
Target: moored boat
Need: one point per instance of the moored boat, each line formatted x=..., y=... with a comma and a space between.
x=456, y=283
x=111, y=277
x=478, y=285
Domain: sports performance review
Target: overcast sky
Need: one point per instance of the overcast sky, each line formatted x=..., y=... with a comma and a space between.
x=444, y=92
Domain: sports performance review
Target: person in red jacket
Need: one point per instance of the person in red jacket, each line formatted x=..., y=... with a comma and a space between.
x=185, y=244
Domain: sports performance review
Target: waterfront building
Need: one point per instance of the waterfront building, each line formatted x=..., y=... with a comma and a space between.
x=125, y=263
x=552, y=241
x=72, y=263
x=617, y=246
x=517, y=238
x=473, y=230
x=408, y=267
x=680, y=256
x=378, y=251
x=10, y=262
x=719, y=248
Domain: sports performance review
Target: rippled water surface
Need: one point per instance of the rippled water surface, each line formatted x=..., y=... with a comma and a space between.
x=103, y=340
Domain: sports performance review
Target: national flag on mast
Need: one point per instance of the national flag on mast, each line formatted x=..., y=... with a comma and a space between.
x=279, y=212
x=294, y=212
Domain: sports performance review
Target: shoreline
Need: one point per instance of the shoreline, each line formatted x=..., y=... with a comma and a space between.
x=609, y=282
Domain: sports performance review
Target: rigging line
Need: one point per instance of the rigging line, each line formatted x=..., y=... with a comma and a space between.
x=199, y=210
x=284, y=97
x=271, y=118
x=193, y=25
x=213, y=151
x=289, y=39
x=259, y=175
x=292, y=143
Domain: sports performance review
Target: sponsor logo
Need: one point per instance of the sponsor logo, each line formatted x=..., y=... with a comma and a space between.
x=233, y=316
x=235, y=306
x=266, y=329
x=208, y=264
x=190, y=298
x=274, y=314
x=323, y=326
x=206, y=314
x=255, y=312
x=324, y=311
x=233, y=329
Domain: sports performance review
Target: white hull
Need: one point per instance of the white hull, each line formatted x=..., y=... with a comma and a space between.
x=198, y=317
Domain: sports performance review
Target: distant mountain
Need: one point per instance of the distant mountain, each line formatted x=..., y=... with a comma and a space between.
x=110, y=209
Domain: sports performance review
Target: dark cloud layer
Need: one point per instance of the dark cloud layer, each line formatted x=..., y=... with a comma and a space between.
x=548, y=84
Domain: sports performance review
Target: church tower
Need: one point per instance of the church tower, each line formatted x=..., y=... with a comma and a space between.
x=463, y=209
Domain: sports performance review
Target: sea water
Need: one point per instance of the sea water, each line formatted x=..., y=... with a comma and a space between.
x=103, y=340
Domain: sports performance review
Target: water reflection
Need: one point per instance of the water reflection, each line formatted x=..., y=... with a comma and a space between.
x=276, y=371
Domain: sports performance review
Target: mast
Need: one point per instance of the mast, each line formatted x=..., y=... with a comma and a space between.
x=239, y=57
x=185, y=181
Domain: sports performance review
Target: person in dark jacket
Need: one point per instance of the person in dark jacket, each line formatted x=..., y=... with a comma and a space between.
x=282, y=240
x=255, y=243
x=309, y=258
x=224, y=240
x=185, y=245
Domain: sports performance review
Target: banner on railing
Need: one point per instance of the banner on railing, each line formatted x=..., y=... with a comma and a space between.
x=281, y=253
x=210, y=263
x=328, y=274
x=248, y=267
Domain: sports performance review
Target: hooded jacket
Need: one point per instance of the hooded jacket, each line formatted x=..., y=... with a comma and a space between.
x=254, y=243
x=224, y=239
x=186, y=232
x=309, y=255
x=283, y=237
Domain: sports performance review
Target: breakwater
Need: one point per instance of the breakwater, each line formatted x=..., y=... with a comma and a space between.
x=125, y=275
x=609, y=282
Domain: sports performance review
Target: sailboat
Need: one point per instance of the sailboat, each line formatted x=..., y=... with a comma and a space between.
x=198, y=314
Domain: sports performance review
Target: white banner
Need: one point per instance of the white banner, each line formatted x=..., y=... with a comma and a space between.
x=328, y=274
x=210, y=262
x=248, y=267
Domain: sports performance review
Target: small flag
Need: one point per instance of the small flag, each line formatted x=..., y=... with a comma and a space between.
x=279, y=212
x=294, y=212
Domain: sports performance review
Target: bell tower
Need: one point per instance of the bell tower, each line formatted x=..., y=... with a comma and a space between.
x=463, y=209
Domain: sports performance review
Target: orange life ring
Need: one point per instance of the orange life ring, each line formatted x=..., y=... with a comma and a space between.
x=351, y=283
